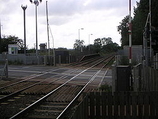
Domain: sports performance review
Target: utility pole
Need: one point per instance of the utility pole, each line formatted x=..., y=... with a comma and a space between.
x=54, y=61
x=130, y=34
x=47, y=28
x=24, y=8
x=150, y=31
x=79, y=36
x=89, y=41
x=0, y=30
x=36, y=2
x=0, y=38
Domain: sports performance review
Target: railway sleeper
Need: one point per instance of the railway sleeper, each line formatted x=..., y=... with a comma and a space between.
x=40, y=117
x=48, y=110
x=5, y=92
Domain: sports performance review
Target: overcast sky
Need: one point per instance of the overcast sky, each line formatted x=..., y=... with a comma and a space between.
x=66, y=17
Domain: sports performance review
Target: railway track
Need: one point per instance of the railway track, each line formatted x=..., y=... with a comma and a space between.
x=53, y=97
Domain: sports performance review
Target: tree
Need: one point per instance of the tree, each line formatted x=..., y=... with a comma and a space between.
x=111, y=47
x=105, y=45
x=106, y=41
x=123, y=30
x=97, y=45
x=6, y=40
x=78, y=44
x=102, y=41
x=138, y=22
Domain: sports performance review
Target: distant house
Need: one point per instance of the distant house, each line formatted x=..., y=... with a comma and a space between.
x=13, y=49
x=42, y=47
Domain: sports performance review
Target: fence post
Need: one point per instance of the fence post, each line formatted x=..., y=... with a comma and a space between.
x=6, y=68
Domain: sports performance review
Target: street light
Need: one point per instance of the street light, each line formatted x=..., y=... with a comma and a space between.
x=0, y=37
x=79, y=33
x=130, y=34
x=79, y=36
x=0, y=30
x=24, y=8
x=89, y=41
x=36, y=2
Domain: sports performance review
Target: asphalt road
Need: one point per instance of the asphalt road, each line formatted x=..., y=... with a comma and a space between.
x=21, y=71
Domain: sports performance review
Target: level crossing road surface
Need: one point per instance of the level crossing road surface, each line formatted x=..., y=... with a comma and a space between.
x=24, y=71
x=48, y=82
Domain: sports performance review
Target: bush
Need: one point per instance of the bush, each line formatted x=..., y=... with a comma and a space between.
x=106, y=88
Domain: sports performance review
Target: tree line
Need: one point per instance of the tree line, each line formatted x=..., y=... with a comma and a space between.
x=6, y=40
x=141, y=12
x=101, y=45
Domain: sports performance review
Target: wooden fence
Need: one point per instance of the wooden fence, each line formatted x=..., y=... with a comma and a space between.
x=120, y=105
x=150, y=79
x=145, y=78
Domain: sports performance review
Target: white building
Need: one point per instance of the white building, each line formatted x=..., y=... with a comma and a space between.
x=13, y=49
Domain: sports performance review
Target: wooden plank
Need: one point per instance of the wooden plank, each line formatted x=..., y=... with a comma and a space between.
x=153, y=102
x=156, y=80
x=104, y=111
x=85, y=107
x=116, y=104
x=92, y=111
x=127, y=100
x=134, y=104
x=98, y=105
x=146, y=105
x=122, y=104
x=151, y=105
x=156, y=98
x=110, y=104
x=140, y=104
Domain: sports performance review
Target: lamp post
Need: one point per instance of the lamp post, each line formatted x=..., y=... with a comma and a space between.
x=0, y=36
x=89, y=41
x=36, y=2
x=150, y=31
x=130, y=34
x=0, y=30
x=47, y=28
x=24, y=8
x=79, y=36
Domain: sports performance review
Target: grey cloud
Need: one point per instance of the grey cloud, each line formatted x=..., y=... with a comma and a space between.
x=70, y=7
x=7, y=7
x=60, y=7
x=61, y=12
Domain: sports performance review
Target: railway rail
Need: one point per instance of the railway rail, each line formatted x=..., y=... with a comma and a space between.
x=55, y=96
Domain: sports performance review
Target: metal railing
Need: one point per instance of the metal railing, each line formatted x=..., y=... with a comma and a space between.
x=4, y=68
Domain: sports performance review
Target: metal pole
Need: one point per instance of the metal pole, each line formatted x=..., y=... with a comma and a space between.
x=79, y=36
x=6, y=68
x=24, y=8
x=54, y=61
x=36, y=31
x=36, y=2
x=0, y=38
x=47, y=28
x=150, y=31
x=0, y=30
x=89, y=41
x=130, y=34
